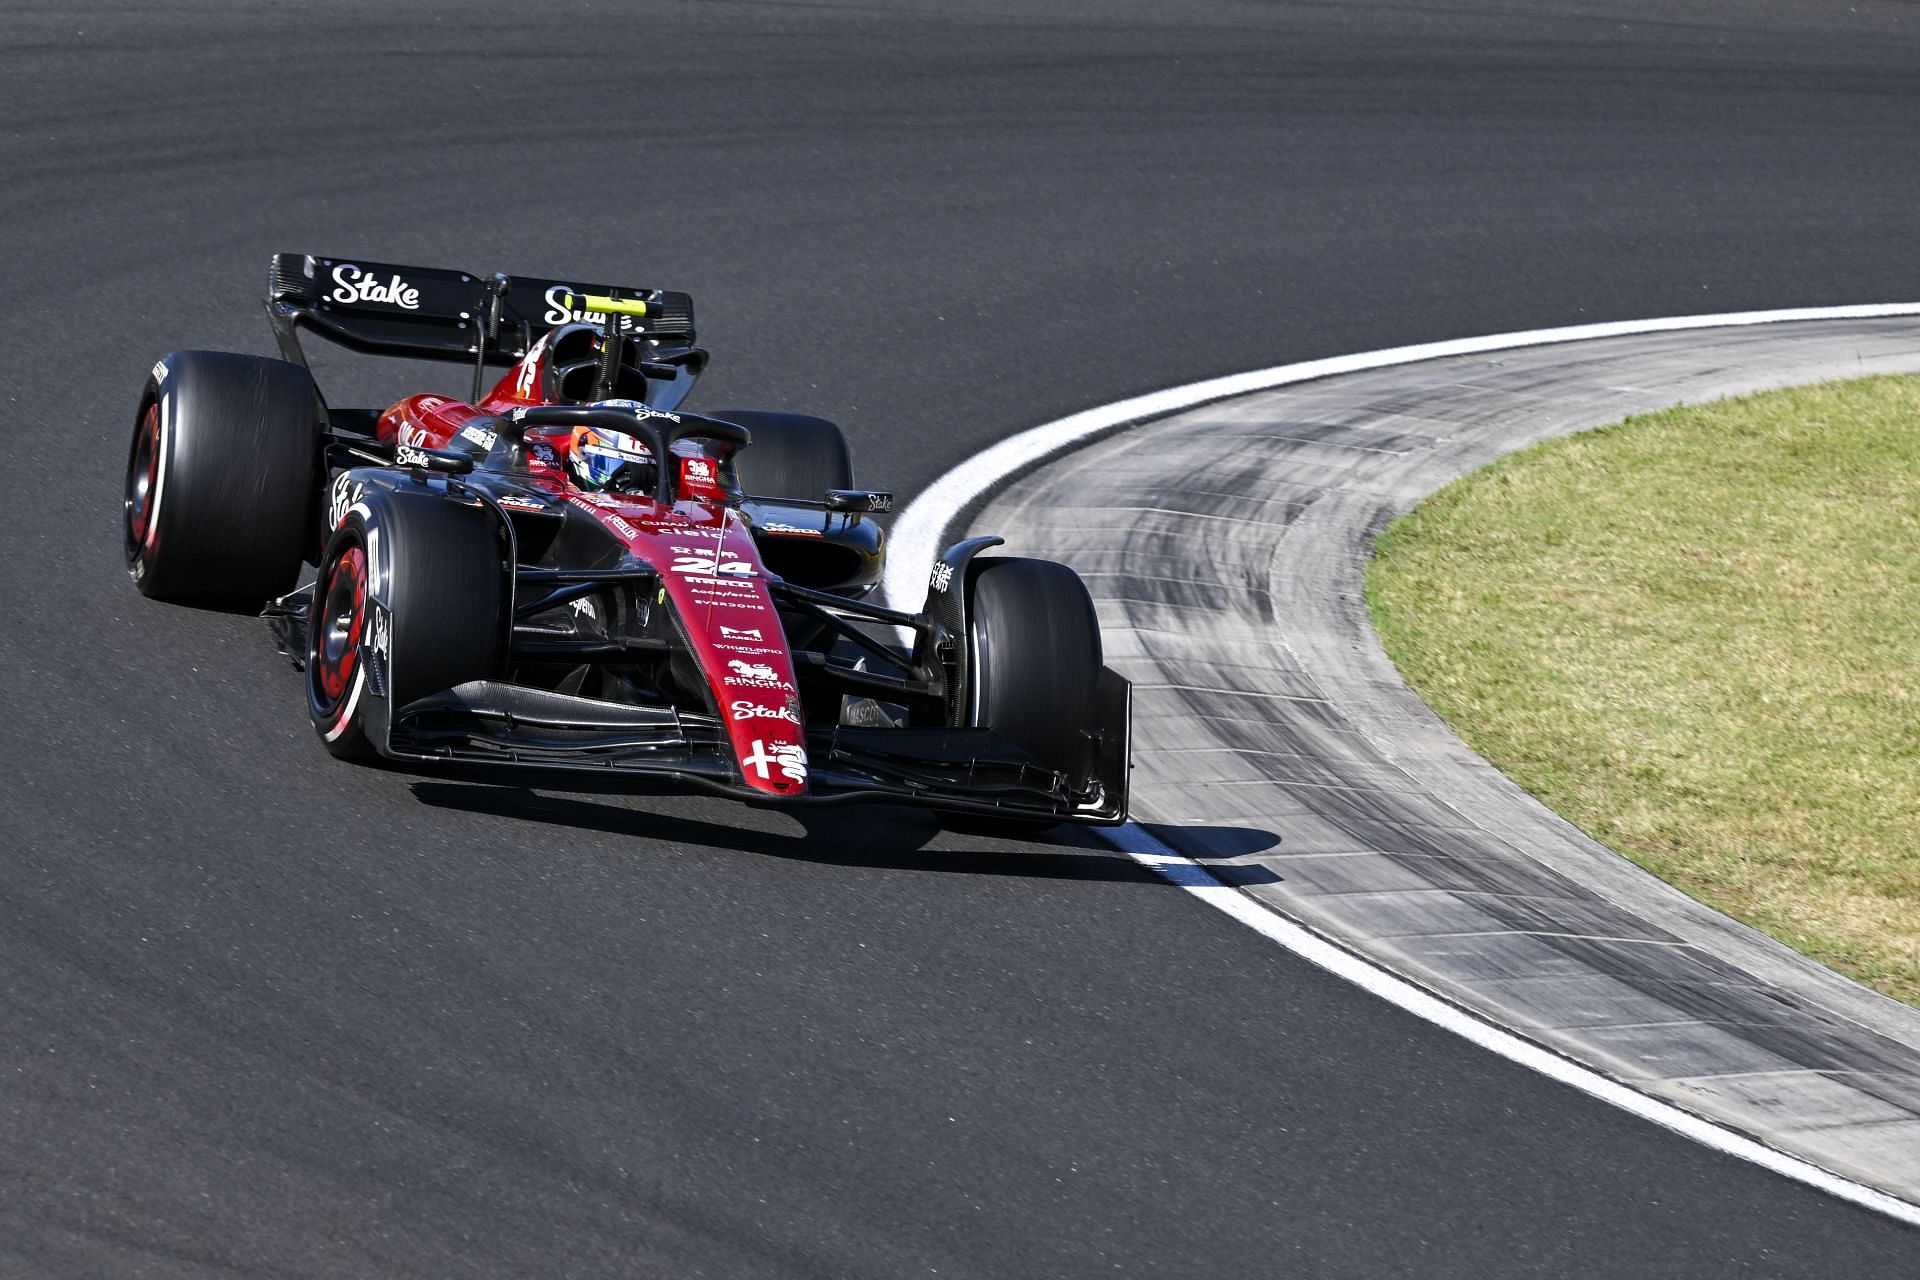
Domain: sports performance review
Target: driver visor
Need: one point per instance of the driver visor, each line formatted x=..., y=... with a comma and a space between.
x=598, y=455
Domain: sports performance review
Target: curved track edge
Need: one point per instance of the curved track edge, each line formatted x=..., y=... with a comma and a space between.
x=1228, y=575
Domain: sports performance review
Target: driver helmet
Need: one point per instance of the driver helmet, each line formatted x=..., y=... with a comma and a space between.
x=605, y=461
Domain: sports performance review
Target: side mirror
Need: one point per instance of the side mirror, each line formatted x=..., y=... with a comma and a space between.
x=870, y=501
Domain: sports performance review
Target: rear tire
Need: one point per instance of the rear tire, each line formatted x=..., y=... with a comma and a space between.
x=444, y=594
x=221, y=477
x=792, y=455
x=1034, y=660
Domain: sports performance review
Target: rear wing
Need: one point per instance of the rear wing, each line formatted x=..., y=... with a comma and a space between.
x=434, y=314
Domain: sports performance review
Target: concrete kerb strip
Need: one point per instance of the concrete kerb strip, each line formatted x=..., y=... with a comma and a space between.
x=1463, y=908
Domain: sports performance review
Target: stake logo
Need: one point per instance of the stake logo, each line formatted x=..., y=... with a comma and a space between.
x=351, y=284
x=345, y=494
x=744, y=709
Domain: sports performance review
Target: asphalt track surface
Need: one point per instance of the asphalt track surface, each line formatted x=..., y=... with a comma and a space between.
x=266, y=1014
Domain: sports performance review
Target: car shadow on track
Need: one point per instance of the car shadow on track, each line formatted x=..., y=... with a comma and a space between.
x=878, y=837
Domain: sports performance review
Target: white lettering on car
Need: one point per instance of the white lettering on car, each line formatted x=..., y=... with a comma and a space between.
x=479, y=435
x=597, y=505
x=755, y=675
x=408, y=456
x=351, y=284
x=745, y=710
x=709, y=563
x=345, y=493
x=557, y=310
x=942, y=576
x=640, y=409
x=529, y=368
x=739, y=633
x=789, y=758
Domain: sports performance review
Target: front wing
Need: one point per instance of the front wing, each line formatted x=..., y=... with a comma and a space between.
x=959, y=770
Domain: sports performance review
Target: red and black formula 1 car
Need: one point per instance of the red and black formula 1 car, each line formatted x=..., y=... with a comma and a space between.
x=569, y=572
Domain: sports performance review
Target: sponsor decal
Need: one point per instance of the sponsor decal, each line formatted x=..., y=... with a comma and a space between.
x=529, y=370
x=744, y=709
x=740, y=633
x=754, y=675
x=520, y=503
x=560, y=309
x=479, y=435
x=687, y=560
x=345, y=493
x=408, y=456
x=584, y=607
x=790, y=759
x=614, y=522
x=737, y=588
x=942, y=577
x=428, y=404
x=543, y=454
x=791, y=530
x=558, y=312
x=640, y=409
x=159, y=371
x=699, y=469
x=351, y=284
x=380, y=631
x=880, y=503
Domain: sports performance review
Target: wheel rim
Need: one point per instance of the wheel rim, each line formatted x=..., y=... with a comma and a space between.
x=334, y=634
x=143, y=479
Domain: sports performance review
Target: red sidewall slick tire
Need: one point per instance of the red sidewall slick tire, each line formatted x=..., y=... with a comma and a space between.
x=337, y=626
x=442, y=586
x=221, y=479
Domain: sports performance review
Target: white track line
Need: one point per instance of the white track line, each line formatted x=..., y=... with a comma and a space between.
x=917, y=538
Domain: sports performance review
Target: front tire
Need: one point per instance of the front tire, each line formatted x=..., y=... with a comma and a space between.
x=1034, y=661
x=221, y=476
x=425, y=618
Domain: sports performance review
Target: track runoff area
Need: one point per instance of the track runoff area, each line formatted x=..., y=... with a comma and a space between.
x=916, y=541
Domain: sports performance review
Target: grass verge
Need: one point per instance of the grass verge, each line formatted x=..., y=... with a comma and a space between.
x=1696, y=635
